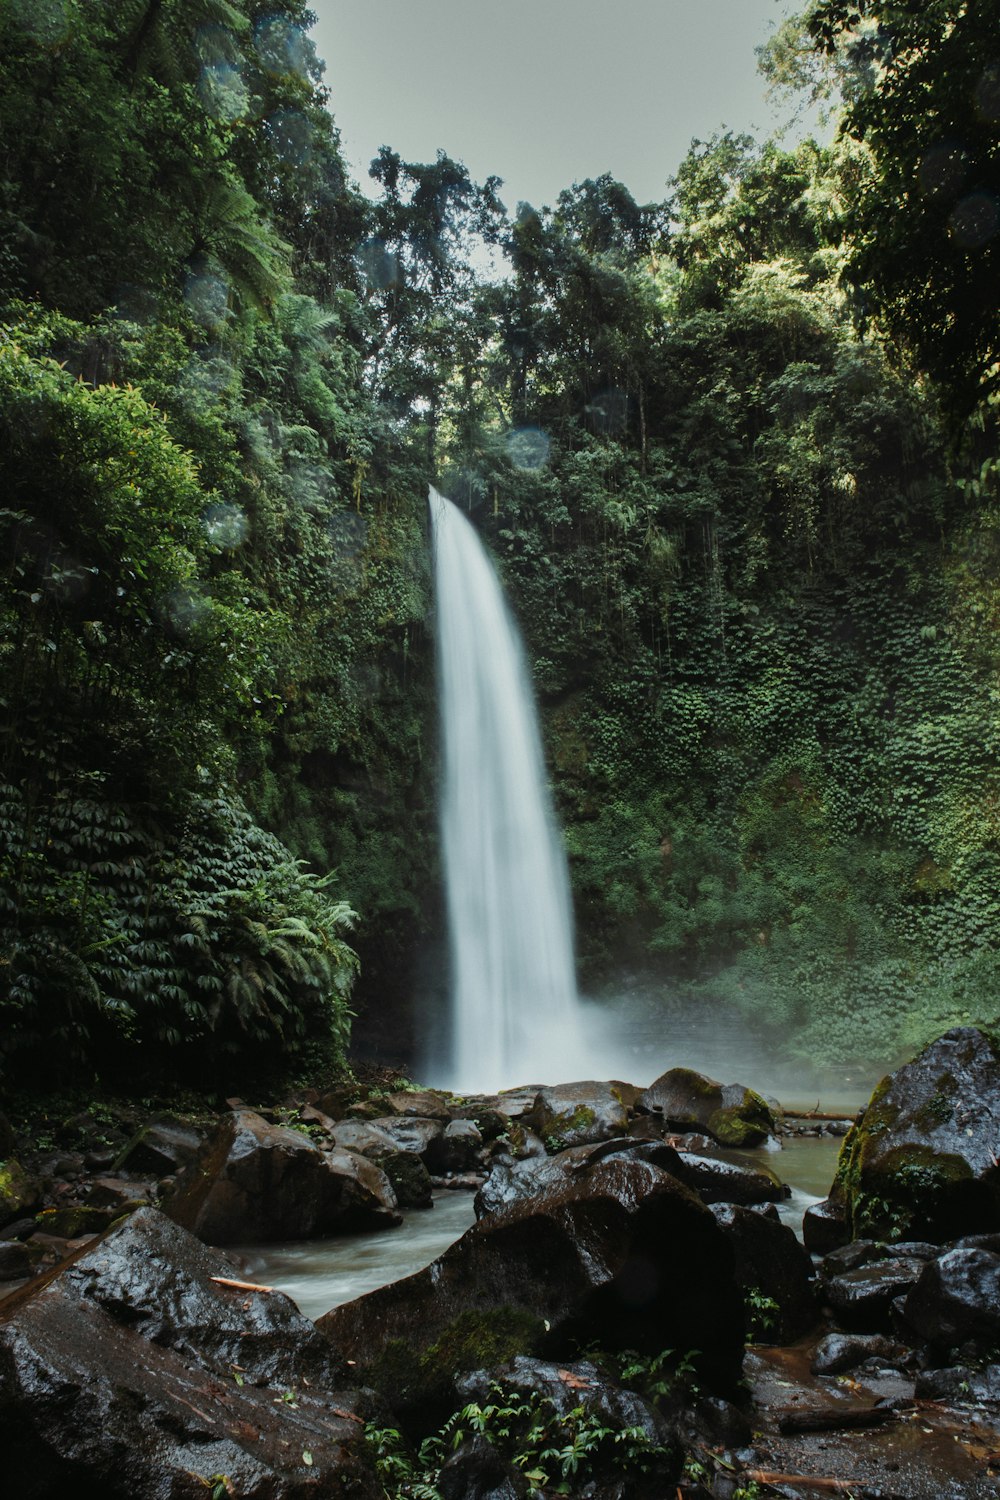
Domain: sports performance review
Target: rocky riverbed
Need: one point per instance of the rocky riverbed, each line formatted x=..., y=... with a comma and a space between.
x=613, y=1223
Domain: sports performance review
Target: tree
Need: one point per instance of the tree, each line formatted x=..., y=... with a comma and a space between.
x=924, y=226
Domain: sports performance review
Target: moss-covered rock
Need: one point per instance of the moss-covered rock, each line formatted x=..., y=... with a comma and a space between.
x=19, y=1192
x=922, y=1161
x=575, y=1114
x=620, y=1254
x=731, y=1113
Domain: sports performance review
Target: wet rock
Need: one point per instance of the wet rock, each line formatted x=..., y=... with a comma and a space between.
x=774, y=1272
x=163, y=1146
x=253, y=1181
x=58, y=1165
x=575, y=1114
x=19, y=1229
x=491, y=1123
x=956, y=1298
x=862, y=1299
x=714, y=1180
x=408, y=1174
x=824, y=1226
x=388, y=1133
x=400, y=1148
x=865, y=1252
x=120, y=1194
x=99, y=1161
x=621, y=1254
x=71, y=1223
x=418, y=1104
x=16, y=1260
x=117, y=1373
x=717, y=1181
x=511, y=1182
x=960, y=1384
x=19, y=1192
x=48, y=1249
x=730, y=1113
x=922, y=1161
x=457, y=1149
x=718, y=1423
x=845, y=1351
x=478, y=1471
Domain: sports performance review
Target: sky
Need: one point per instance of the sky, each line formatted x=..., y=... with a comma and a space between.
x=545, y=93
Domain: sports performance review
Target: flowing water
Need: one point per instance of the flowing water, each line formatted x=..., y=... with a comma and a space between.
x=514, y=1013
x=321, y=1274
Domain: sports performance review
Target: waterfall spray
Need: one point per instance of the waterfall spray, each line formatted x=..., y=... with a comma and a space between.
x=514, y=1009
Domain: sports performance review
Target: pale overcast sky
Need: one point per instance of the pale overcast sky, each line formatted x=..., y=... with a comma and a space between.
x=545, y=92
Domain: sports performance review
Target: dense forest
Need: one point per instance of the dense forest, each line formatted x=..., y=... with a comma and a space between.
x=735, y=454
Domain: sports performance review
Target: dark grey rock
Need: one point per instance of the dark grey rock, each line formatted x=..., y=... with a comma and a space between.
x=163, y=1146
x=253, y=1181
x=956, y=1298
x=862, y=1299
x=118, y=1379
x=771, y=1267
x=845, y=1351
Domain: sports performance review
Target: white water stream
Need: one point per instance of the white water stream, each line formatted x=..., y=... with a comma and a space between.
x=514, y=1014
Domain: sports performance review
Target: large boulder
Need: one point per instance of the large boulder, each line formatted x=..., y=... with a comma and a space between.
x=957, y=1300
x=254, y=1182
x=922, y=1161
x=573, y=1114
x=622, y=1255
x=130, y=1371
x=730, y=1113
x=400, y=1147
x=163, y=1146
x=714, y=1180
x=774, y=1272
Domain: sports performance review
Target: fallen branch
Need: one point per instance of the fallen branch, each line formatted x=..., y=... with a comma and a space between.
x=241, y=1286
x=814, y=1114
x=809, y=1481
x=830, y=1419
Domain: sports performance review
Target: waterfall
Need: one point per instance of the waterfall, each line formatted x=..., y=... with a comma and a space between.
x=514, y=1010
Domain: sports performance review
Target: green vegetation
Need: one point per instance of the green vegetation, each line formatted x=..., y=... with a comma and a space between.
x=556, y=1450
x=735, y=454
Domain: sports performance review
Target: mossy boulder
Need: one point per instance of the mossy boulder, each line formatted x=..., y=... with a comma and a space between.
x=922, y=1161
x=575, y=1114
x=19, y=1191
x=75, y=1221
x=730, y=1113
x=621, y=1254
x=253, y=1181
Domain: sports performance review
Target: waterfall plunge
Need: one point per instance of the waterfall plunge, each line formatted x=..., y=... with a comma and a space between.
x=514, y=1011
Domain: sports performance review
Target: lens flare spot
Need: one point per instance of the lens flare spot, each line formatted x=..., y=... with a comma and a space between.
x=943, y=170
x=291, y=136
x=988, y=93
x=225, y=526
x=183, y=610
x=47, y=22
x=206, y=293
x=282, y=47
x=975, y=220
x=379, y=265
x=222, y=92
x=528, y=447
